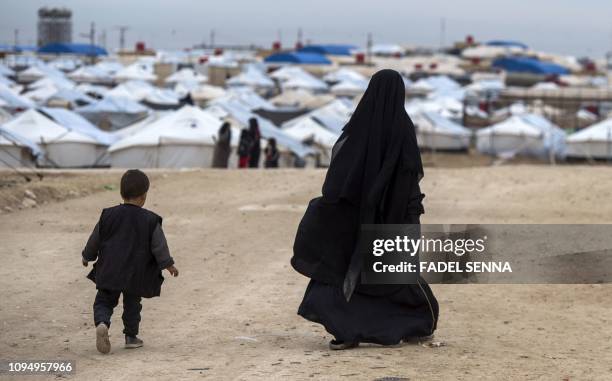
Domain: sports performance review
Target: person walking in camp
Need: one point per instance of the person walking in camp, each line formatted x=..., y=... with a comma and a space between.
x=255, y=151
x=373, y=178
x=130, y=251
x=244, y=148
x=222, y=147
x=272, y=155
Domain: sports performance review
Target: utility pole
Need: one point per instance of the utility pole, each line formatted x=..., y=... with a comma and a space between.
x=103, y=38
x=212, y=38
x=369, y=44
x=122, y=29
x=92, y=39
x=16, y=33
x=442, y=33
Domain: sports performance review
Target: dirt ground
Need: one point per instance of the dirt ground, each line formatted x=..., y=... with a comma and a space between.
x=231, y=314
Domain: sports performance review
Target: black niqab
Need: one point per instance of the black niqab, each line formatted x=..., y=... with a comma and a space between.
x=378, y=139
x=377, y=149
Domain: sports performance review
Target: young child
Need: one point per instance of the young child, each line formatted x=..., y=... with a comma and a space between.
x=131, y=250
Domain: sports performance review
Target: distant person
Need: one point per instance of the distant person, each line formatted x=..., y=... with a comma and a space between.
x=223, y=148
x=187, y=100
x=256, y=144
x=131, y=250
x=373, y=178
x=244, y=148
x=272, y=155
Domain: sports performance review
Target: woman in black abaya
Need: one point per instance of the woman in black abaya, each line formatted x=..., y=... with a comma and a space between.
x=373, y=178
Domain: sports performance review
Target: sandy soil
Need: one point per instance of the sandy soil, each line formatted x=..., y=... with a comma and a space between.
x=231, y=313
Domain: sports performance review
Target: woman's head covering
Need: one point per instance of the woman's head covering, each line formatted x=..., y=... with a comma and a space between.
x=378, y=141
x=272, y=142
x=254, y=128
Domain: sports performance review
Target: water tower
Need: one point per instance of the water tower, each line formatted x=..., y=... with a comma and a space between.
x=54, y=25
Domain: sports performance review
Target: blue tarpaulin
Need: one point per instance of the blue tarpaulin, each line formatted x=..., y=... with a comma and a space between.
x=329, y=49
x=298, y=58
x=73, y=48
x=529, y=65
x=507, y=43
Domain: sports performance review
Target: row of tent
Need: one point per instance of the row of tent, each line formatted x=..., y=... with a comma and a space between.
x=185, y=138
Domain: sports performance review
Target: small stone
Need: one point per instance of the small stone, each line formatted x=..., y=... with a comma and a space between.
x=29, y=194
x=28, y=203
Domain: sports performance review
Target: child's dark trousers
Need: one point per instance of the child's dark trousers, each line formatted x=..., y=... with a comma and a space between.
x=106, y=301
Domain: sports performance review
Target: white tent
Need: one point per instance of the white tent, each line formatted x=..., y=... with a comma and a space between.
x=251, y=77
x=309, y=130
x=434, y=131
x=184, y=138
x=594, y=142
x=301, y=98
x=10, y=100
x=38, y=71
x=90, y=74
x=525, y=134
x=186, y=75
x=5, y=70
x=63, y=147
x=387, y=49
x=136, y=71
x=344, y=74
x=332, y=116
x=117, y=112
x=349, y=88
x=436, y=84
x=16, y=150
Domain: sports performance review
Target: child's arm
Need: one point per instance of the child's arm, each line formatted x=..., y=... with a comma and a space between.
x=161, y=252
x=90, y=253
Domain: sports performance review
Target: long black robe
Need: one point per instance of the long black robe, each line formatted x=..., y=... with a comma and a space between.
x=373, y=178
x=222, y=149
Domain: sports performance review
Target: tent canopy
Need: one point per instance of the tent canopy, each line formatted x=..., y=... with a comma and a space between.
x=507, y=43
x=188, y=125
x=529, y=65
x=73, y=48
x=75, y=122
x=329, y=49
x=300, y=58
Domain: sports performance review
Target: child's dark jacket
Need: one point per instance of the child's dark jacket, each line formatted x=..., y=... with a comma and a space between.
x=131, y=251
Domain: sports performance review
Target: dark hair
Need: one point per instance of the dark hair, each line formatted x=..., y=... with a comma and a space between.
x=272, y=142
x=134, y=183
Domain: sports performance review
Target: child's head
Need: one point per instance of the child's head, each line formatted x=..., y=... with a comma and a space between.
x=134, y=187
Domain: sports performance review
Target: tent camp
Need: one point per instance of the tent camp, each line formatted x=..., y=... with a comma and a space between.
x=439, y=133
x=594, y=142
x=184, y=138
x=113, y=112
x=525, y=134
x=63, y=147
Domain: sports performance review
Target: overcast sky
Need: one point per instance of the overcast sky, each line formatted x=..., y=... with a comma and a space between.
x=579, y=27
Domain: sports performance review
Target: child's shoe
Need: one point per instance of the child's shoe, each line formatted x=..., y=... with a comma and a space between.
x=102, y=341
x=132, y=342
